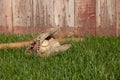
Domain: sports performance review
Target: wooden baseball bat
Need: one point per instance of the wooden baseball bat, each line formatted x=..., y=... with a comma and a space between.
x=27, y=43
x=15, y=44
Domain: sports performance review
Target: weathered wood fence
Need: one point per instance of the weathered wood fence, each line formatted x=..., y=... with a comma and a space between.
x=97, y=17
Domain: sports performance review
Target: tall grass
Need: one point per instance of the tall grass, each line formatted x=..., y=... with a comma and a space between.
x=96, y=58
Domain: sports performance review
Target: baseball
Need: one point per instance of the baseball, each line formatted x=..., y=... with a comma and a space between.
x=45, y=46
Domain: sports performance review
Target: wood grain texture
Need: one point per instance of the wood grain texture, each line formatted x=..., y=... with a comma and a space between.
x=3, y=13
x=105, y=11
x=43, y=12
x=118, y=17
x=92, y=16
x=85, y=13
x=106, y=17
x=22, y=12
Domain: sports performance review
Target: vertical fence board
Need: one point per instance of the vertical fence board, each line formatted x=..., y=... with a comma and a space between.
x=69, y=11
x=59, y=12
x=3, y=14
x=48, y=9
x=84, y=12
x=9, y=15
x=105, y=17
x=38, y=9
x=85, y=16
x=22, y=12
x=118, y=17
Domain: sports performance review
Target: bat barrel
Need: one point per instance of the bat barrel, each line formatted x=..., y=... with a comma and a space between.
x=15, y=45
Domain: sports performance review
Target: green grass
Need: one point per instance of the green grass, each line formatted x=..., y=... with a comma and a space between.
x=13, y=38
x=96, y=58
